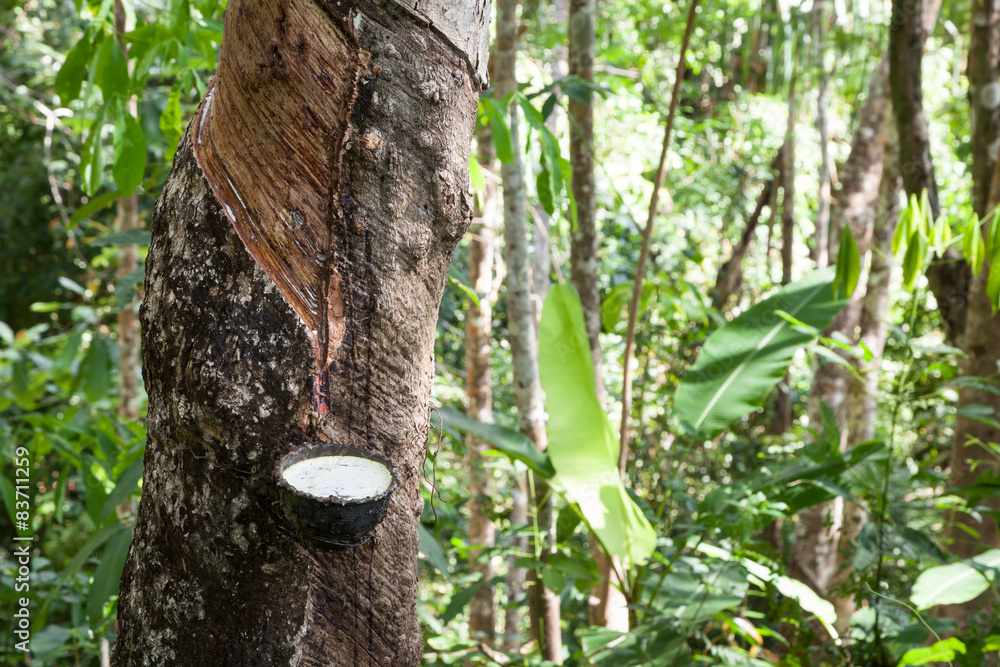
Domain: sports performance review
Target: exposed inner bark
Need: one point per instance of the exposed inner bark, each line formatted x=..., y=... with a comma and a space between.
x=269, y=137
x=215, y=575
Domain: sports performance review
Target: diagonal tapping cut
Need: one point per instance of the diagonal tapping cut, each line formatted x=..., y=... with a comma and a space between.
x=270, y=139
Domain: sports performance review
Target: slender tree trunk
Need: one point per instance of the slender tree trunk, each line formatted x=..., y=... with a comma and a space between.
x=730, y=275
x=542, y=258
x=128, y=320
x=326, y=99
x=862, y=397
x=584, y=242
x=969, y=458
x=128, y=262
x=856, y=207
x=823, y=530
x=540, y=269
x=782, y=420
x=772, y=216
x=948, y=280
x=984, y=97
x=813, y=557
x=820, y=529
x=906, y=37
x=516, y=575
x=478, y=325
x=822, y=233
x=608, y=606
x=788, y=189
x=528, y=394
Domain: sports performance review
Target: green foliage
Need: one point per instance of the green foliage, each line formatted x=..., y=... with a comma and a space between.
x=704, y=504
x=972, y=245
x=515, y=445
x=944, y=650
x=955, y=583
x=741, y=362
x=86, y=464
x=848, y=265
x=582, y=443
x=130, y=151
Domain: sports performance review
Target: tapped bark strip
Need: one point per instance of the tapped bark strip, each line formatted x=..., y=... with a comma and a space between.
x=271, y=135
x=215, y=575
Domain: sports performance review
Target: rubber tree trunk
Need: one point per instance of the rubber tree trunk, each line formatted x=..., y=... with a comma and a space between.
x=128, y=262
x=970, y=460
x=479, y=389
x=608, y=606
x=822, y=233
x=948, y=280
x=541, y=259
x=862, y=397
x=861, y=178
x=350, y=125
x=528, y=395
x=818, y=528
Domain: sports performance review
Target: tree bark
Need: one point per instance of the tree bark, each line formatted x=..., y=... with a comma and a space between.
x=969, y=459
x=478, y=388
x=906, y=38
x=528, y=394
x=516, y=575
x=584, y=242
x=541, y=260
x=128, y=320
x=782, y=420
x=822, y=232
x=730, y=275
x=607, y=606
x=912, y=21
x=820, y=529
x=856, y=207
x=228, y=360
x=984, y=98
x=862, y=397
x=128, y=262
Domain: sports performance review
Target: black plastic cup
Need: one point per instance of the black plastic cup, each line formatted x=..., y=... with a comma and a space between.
x=333, y=522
